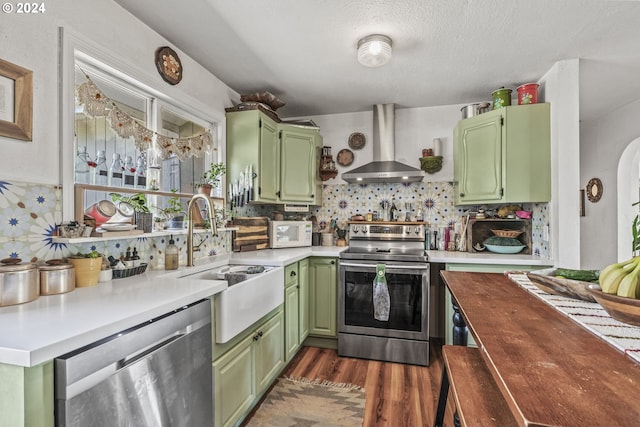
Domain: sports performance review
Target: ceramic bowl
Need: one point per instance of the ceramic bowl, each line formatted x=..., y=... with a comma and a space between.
x=624, y=309
x=504, y=249
x=546, y=280
x=523, y=214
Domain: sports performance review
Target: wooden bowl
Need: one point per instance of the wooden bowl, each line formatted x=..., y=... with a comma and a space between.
x=624, y=309
x=545, y=280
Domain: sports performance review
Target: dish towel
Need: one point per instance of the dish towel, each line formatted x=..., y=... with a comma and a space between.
x=381, y=301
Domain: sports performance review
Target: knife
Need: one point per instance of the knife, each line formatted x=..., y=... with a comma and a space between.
x=250, y=182
x=231, y=201
x=241, y=189
x=246, y=184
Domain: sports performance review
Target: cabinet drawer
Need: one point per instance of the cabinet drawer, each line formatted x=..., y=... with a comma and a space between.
x=291, y=275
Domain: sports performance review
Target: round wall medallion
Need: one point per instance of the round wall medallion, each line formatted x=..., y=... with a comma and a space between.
x=594, y=190
x=357, y=140
x=345, y=157
x=169, y=65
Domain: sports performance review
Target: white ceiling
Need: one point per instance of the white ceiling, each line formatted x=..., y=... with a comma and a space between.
x=444, y=51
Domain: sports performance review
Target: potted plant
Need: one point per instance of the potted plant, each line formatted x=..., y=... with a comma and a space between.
x=87, y=268
x=143, y=217
x=174, y=212
x=211, y=178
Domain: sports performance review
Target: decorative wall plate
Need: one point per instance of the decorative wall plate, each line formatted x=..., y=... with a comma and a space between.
x=169, y=65
x=345, y=157
x=357, y=140
x=594, y=190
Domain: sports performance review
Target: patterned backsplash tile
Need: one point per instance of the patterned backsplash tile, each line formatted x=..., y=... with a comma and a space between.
x=29, y=214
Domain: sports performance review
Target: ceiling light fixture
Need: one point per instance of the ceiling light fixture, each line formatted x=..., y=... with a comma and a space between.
x=374, y=50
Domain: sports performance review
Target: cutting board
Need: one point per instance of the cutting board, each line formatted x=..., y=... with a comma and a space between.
x=252, y=234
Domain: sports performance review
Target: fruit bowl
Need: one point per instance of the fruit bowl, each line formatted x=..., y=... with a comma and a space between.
x=624, y=309
x=546, y=281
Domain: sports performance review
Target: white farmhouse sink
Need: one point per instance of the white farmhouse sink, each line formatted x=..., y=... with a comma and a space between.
x=243, y=303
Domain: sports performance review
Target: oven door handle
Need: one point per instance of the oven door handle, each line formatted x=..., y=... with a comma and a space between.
x=401, y=267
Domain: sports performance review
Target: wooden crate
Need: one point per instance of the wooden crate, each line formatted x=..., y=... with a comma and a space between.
x=480, y=229
x=252, y=234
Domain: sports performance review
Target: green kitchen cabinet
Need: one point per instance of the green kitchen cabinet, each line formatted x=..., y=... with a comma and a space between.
x=503, y=156
x=323, y=293
x=26, y=395
x=244, y=371
x=296, y=303
x=284, y=157
x=298, y=169
x=253, y=139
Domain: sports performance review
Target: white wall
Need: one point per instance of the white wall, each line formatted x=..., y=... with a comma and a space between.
x=603, y=142
x=560, y=87
x=415, y=129
x=31, y=41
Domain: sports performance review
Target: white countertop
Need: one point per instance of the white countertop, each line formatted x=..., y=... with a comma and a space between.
x=283, y=257
x=486, y=258
x=53, y=325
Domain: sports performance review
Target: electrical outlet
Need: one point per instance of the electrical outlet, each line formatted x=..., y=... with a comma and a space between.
x=545, y=233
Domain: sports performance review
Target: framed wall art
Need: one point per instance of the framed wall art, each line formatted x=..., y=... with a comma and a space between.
x=16, y=101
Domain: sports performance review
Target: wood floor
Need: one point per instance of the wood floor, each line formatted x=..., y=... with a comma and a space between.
x=398, y=395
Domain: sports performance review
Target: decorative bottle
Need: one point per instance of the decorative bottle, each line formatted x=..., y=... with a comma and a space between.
x=115, y=172
x=129, y=172
x=171, y=256
x=82, y=165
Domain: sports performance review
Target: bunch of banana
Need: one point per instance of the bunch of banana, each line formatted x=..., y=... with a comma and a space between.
x=622, y=278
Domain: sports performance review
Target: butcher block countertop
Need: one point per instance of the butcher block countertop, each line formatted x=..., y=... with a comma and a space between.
x=551, y=370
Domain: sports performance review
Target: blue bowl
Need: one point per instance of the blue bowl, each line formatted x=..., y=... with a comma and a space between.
x=504, y=249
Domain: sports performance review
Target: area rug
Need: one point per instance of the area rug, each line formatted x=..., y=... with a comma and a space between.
x=302, y=402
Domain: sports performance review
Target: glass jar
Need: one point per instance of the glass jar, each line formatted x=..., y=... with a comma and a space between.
x=82, y=165
x=115, y=172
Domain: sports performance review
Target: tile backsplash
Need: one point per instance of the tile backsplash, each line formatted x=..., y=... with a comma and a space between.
x=29, y=214
x=434, y=199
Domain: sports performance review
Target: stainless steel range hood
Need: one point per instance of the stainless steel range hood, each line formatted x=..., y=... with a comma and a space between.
x=384, y=167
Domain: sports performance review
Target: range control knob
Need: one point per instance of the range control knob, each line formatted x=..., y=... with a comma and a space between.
x=355, y=228
x=407, y=230
x=365, y=229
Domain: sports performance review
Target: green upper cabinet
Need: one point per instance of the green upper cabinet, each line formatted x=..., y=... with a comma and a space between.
x=284, y=157
x=252, y=139
x=298, y=164
x=503, y=156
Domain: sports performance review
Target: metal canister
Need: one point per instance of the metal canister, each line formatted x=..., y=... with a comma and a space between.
x=501, y=98
x=18, y=284
x=57, y=279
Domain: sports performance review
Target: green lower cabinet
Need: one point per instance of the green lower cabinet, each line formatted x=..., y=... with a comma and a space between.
x=234, y=383
x=323, y=293
x=246, y=370
x=478, y=268
x=26, y=395
x=292, y=321
x=303, y=298
x=296, y=306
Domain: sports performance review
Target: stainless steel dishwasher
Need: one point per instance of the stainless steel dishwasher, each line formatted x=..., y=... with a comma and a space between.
x=155, y=374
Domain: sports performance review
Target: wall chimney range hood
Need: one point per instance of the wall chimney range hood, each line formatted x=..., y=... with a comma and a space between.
x=384, y=168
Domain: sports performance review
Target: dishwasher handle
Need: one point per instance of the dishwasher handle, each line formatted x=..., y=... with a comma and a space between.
x=129, y=360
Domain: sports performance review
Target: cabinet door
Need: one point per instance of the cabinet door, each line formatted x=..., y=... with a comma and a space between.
x=234, y=383
x=303, y=283
x=269, y=351
x=298, y=160
x=292, y=322
x=269, y=161
x=478, y=159
x=323, y=291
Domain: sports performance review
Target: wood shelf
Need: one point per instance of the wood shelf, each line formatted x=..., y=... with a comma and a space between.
x=136, y=236
x=81, y=189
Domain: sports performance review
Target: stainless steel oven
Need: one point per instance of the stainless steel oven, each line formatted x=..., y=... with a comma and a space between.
x=404, y=337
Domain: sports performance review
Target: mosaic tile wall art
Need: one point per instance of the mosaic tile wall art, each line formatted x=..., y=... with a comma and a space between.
x=30, y=213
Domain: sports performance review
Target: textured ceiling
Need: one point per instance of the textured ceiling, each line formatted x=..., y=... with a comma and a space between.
x=444, y=52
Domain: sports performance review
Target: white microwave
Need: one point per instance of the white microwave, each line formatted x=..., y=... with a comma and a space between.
x=289, y=234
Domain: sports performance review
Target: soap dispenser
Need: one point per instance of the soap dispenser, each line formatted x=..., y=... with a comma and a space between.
x=171, y=256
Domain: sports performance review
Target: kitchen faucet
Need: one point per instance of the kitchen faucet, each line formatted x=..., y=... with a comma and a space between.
x=190, y=224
